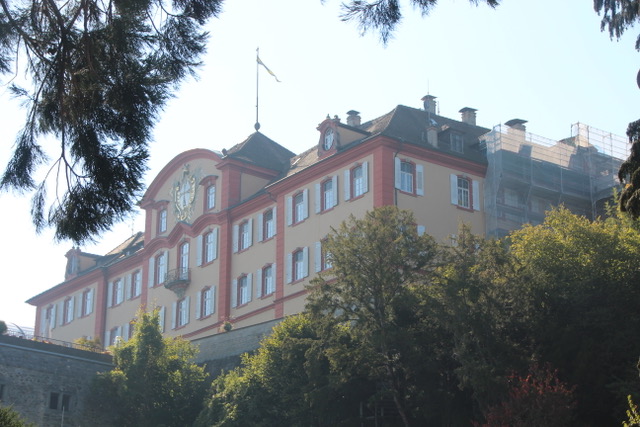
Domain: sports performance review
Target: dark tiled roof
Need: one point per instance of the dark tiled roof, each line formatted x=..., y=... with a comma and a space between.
x=261, y=151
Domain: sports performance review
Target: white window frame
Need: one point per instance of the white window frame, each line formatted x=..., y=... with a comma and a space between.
x=210, y=246
x=457, y=142
x=136, y=284
x=211, y=196
x=458, y=193
x=162, y=220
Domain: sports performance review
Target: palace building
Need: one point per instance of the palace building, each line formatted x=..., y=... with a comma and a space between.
x=231, y=238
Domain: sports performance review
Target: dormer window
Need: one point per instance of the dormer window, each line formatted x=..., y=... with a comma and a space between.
x=457, y=143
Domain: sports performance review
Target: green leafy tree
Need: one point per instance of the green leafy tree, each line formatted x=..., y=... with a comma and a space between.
x=10, y=418
x=377, y=263
x=579, y=285
x=98, y=74
x=154, y=382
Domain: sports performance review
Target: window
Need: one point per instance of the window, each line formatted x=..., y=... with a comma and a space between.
x=210, y=246
x=359, y=180
x=241, y=292
x=205, y=303
x=406, y=177
x=58, y=401
x=117, y=293
x=53, y=400
x=327, y=194
x=298, y=265
x=409, y=177
x=162, y=221
x=457, y=143
x=183, y=262
x=211, y=196
x=1, y=392
x=67, y=310
x=136, y=284
x=267, y=285
x=87, y=302
x=297, y=207
x=181, y=313
x=268, y=225
x=465, y=192
x=161, y=269
x=244, y=235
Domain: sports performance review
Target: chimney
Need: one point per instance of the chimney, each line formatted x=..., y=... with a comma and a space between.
x=517, y=124
x=468, y=115
x=429, y=102
x=432, y=136
x=353, y=118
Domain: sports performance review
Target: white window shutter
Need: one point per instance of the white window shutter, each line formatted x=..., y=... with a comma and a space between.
x=250, y=225
x=475, y=195
x=152, y=271
x=305, y=203
x=199, y=250
x=188, y=308
x=397, y=172
x=161, y=316
x=125, y=332
x=318, y=198
x=234, y=237
x=107, y=338
x=174, y=314
x=274, y=275
x=258, y=283
x=234, y=293
x=305, y=261
x=109, y=294
x=199, y=305
x=215, y=243
x=52, y=320
x=127, y=286
x=260, y=227
x=250, y=286
x=334, y=184
x=421, y=230
x=318, y=257
x=347, y=184
x=275, y=221
x=420, y=180
x=365, y=177
x=289, y=266
x=289, y=201
x=454, y=189
x=213, y=299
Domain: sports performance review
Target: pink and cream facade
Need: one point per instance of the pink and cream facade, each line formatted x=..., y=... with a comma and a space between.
x=234, y=237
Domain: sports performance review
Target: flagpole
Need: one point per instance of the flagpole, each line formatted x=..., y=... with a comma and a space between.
x=257, y=125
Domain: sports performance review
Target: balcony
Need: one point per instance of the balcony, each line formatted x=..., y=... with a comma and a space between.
x=178, y=280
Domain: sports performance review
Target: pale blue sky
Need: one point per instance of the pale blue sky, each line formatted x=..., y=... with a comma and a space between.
x=544, y=61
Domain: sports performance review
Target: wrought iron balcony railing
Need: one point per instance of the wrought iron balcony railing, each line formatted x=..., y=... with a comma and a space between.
x=178, y=280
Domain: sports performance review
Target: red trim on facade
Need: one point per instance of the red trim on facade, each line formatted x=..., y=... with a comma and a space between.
x=225, y=254
x=280, y=259
x=383, y=177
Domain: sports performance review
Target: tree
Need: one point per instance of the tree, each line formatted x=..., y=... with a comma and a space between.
x=154, y=382
x=98, y=75
x=10, y=418
x=579, y=287
x=368, y=296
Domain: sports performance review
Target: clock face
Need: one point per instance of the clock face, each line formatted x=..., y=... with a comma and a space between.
x=328, y=139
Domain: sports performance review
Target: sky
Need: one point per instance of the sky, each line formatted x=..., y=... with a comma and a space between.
x=544, y=61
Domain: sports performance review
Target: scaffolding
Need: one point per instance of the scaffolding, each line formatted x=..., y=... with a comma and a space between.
x=527, y=174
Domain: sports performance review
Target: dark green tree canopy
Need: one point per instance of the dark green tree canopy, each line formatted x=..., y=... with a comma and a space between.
x=98, y=73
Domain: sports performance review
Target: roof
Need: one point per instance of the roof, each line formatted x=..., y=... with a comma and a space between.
x=261, y=151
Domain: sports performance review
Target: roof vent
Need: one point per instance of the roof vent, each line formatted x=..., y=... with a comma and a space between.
x=353, y=118
x=468, y=115
x=429, y=102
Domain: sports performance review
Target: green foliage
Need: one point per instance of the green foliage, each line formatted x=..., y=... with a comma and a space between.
x=99, y=75
x=3, y=327
x=94, y=344
x=629, y=173
x=10, y=418
x=383, y=16
x=577, y=281
x=618, y=16
x=154, y=382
